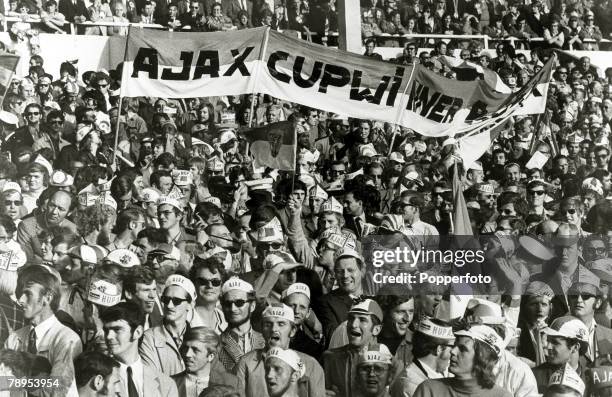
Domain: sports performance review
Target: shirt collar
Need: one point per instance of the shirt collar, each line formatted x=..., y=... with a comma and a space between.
x=45, y=326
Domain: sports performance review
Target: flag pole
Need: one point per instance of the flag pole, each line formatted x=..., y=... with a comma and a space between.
x=399, y=110
x=120, y=98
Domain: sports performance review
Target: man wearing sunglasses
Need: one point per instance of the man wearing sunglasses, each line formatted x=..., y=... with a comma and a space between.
x=585, y=297
x=29, y=133
x=536, y=193
x=239, y=338
x=160, y=346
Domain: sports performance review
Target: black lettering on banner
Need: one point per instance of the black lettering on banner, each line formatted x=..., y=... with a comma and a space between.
x=168, y=74
x=382, y=87
x=335, y=76
x=239, y=62
x=145, y=61
x=297, y=73
x=452, y=110
x=415, y=100
x=275, y=57
x=201, y=68
x=395, y=86
x=356, y=94
x=440, y=109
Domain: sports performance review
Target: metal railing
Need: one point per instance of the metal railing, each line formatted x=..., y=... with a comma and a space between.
x=329, y=38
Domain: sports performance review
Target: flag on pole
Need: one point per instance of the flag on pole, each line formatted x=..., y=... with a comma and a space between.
x=461, y=218
x=273, y=145
x=8, y=64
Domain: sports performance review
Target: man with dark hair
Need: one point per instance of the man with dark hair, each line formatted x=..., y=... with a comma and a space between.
x=96, y=375
x=355, y=217
x=161, y=180
x=122, y=324
x=472, y=361
x=567, y=339
x=139, y=286
x=127, y=226
x=29, y=133
x=38, y=291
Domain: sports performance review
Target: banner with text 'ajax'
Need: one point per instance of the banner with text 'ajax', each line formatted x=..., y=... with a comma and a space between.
x=187, y=65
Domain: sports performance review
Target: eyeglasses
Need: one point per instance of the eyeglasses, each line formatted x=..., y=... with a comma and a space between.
x=175, y=301
x=377, y=369
x=33, y=114
x=238, y=303
x=56, y=122
x=16, y=203
x=213, y=282
x=595, y=250
x=536, y=192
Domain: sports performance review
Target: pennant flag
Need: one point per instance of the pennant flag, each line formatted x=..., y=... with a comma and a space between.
x=273, y=145
x=8, y=64
x=461, y=219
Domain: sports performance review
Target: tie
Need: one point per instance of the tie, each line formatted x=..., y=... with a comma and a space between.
x=32, y=342
x=358, y=226
x=132, y=392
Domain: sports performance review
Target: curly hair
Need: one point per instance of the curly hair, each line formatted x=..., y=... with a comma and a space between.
x=91, y=218
x=485, y=359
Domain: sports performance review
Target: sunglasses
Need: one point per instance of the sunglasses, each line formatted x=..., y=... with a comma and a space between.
x=267, y=246
x=583, y=296
x=16, y=203
x=536, y=192
x=238, y=303
x=33, y=114
x=507, y=212
x=213, y=282
x=570, y=211
x=175, y=301
x=59, y=122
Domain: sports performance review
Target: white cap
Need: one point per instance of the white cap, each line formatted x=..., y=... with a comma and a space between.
x=10, y=185
x=123, y=257
x=215, y=164
x=568, y=327
x=318, y=192
x=103, y=293
x=567, y=376
x=476, y=165
x=296, y=288
x=182, y=177
x=235, y=283
x=332, y=205
x=107, y=199
x=397, y=157
x=270, y=232
x=486, y=335
x=8, y=118
x=227, y=136
x=367, y=150
x=280, y=257
x=82, y=133
x=45, y=163
x=61, y=179
x=214, y=200
x=427, y=327
x=376, y=354
x=170, y=201
x=13, y=258
x=289, y=357
x=183, y=282
x=593, y=184
x=279, y=310
x=150, y=195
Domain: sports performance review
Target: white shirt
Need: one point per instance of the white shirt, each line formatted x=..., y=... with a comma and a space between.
x=137, y=376
x=195, y=385
x=42, y=328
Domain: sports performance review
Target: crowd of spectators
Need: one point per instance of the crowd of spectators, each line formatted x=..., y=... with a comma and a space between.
x=175, y=266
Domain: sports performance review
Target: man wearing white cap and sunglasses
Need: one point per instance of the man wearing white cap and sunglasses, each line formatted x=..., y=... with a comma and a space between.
x=278, y=327
x=472, y=361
